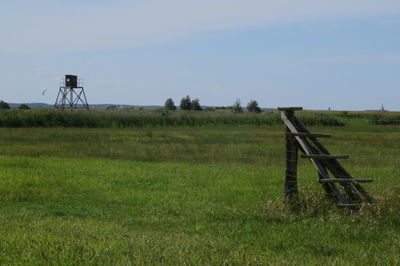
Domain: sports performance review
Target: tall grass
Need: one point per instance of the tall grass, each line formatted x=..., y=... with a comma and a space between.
x=126, y=118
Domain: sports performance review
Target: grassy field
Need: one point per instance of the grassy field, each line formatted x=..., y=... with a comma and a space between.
x=190, y=195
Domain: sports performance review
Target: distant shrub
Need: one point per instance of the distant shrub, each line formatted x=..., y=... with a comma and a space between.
x=236, y=107
x=253, y=107
x=186, y=103
x=195, y=105
x=4, y=105
x=170, y=105
x=24, y=107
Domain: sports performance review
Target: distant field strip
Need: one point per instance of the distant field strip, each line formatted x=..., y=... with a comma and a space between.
x=129, y=118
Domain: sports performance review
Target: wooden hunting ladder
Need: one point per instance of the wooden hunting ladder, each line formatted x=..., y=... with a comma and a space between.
x=330, y=171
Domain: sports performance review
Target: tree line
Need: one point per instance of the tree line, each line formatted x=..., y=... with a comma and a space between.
x=188, y=104
x=4, y=105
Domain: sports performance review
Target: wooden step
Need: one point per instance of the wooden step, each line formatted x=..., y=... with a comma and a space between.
x=313, y=135
x=324, y=156
x=346, y=180
x=285, y=109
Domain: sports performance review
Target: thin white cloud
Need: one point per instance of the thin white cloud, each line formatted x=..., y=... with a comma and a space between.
x=130, y=24
x=385, y=58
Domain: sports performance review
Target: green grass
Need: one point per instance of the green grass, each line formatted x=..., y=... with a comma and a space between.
x=187, y=195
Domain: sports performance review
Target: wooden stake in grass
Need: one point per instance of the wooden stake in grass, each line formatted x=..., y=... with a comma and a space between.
x=291, y=163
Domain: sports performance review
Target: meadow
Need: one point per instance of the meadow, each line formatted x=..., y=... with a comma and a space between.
x=191, y=195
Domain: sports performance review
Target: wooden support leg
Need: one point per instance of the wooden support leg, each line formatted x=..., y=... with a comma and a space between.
x=290, y=189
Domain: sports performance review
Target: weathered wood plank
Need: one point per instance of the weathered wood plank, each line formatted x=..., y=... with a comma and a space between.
x=324, y=156
x=346, y=180
x=284, y=109
x=312, y=135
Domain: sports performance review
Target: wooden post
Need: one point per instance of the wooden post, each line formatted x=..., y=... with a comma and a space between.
x=290, y=189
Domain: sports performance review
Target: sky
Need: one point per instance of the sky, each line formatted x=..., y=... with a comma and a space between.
x=343, y=55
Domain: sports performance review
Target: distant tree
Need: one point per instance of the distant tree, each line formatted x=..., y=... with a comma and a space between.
x=253, y=107
x=170, y=105
x=4, y=105
x=24, y=107
x=186, y=103
x=196, y=105
x=236, y=107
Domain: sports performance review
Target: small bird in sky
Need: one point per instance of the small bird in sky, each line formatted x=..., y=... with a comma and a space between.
x=44, y=92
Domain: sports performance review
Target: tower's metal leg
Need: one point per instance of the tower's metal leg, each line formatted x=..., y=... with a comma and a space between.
x=69, y=98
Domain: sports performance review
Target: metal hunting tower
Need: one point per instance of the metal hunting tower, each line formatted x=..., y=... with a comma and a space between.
x=71, y=94
x=331, y=173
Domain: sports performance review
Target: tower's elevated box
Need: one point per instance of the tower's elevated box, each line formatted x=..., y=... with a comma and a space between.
x=71, y=81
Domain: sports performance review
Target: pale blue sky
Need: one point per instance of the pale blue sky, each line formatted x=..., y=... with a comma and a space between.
x=316, y=54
